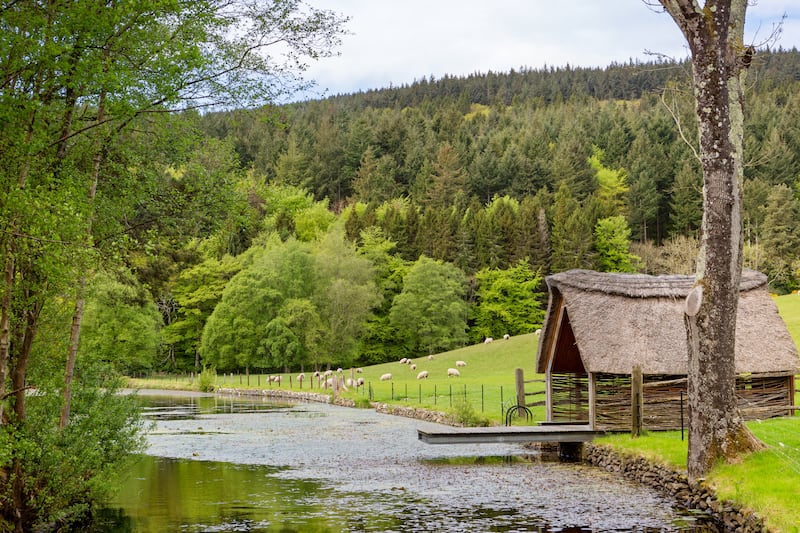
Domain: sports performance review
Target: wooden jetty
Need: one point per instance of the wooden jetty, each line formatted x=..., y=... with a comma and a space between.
x=561, y=433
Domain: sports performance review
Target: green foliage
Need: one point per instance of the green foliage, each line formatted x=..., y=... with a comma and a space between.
x=65, y=472
x=508, y=302
x=465, y=414
x=430, y=313
x=612, y=242
x=207, y=379
x=120, y=325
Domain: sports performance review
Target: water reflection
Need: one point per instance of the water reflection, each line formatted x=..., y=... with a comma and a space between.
x=222, y=464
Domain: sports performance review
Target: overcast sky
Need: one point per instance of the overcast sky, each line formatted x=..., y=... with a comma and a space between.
x=395, y=42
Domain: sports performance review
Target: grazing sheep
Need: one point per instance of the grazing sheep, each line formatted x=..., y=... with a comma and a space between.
x=413, y=367
x=487, y=340
x=386, y=377
x=360, y=382
x=430, y=358
x=423, y=375
x=538, y=331
x=461, y=363
x=301, y=377
x=506, y=336
x=275, y=379
x=350, y=382
x=339, y=370
x=358, y=371
x=316, y=374
x=403, y=361
x=328, y=373
x=328, y=384
x=453, y=373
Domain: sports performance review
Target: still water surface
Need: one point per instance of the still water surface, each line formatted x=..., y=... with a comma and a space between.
x=223, y=464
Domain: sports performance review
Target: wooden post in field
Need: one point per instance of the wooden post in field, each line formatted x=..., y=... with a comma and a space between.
x=636, y=401
x=520, y=381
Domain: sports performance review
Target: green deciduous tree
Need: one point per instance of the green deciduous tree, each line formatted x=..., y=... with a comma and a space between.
x=430, y=313
x=509, y=301
x=121, y=324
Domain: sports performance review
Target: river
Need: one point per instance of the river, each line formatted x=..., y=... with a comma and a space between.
x=231, y=464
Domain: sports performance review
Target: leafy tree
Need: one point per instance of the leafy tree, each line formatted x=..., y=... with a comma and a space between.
x=430, y=313
x=508, y=302
x=121, y=325
x=197, y=291
x=75, y=79
x=345, y=297
x=612, y=242
x=233, y=336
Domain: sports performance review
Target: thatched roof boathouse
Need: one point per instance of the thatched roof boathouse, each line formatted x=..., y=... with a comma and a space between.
x=599, y=326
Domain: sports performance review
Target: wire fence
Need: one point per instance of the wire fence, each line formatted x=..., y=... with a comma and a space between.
x=489, y=399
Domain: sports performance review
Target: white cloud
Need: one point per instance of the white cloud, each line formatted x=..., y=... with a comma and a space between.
x=395, y=43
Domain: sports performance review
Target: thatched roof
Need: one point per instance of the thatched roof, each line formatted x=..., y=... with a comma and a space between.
x=622, y=320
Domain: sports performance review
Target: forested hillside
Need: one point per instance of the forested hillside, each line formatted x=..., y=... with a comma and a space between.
x=365, y=227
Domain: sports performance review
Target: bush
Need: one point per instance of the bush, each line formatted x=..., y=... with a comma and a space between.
x=465, y=414
x=207, y=379
x=362, y=402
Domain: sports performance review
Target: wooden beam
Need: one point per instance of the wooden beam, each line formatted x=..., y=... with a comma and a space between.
x=549, y=433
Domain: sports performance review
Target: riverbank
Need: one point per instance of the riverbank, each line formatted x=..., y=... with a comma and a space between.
x=668, y=480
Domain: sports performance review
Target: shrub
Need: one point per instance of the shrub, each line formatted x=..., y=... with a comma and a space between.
x=465, y=414
x=207, y=379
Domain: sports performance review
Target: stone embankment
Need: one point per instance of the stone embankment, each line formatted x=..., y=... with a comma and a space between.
x=408, y=412
x=728, y=515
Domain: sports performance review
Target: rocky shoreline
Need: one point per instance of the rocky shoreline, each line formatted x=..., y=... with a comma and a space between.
x=729, y=516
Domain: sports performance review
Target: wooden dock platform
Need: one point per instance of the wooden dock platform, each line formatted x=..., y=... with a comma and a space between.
x=541, y=433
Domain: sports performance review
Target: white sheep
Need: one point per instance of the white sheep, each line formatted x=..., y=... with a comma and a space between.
x=316, y=374
x=301, y=377
x=506, y=336
x=423, y=375
x=487, y=340
x=413, y=367
x=328, y=373
x=350, y=382
x=386, y=377
x=403, y=361
x=461, y=363
x=339, y=370
x=275, y=379
x=358, y=370
x=538, y=331
x=360, y=382
x=453, y=373
x=430, y=358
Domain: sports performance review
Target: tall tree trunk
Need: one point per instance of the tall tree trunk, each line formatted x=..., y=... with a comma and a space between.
x=80, y=299
x=719, y=60
x=18, y=379
x=5, y=327
x=72, y=355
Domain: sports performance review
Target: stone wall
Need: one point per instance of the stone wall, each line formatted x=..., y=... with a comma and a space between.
x=727, y=514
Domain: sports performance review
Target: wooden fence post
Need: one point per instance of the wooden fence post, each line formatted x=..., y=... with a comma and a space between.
x=636, y=401
x=520, y=381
